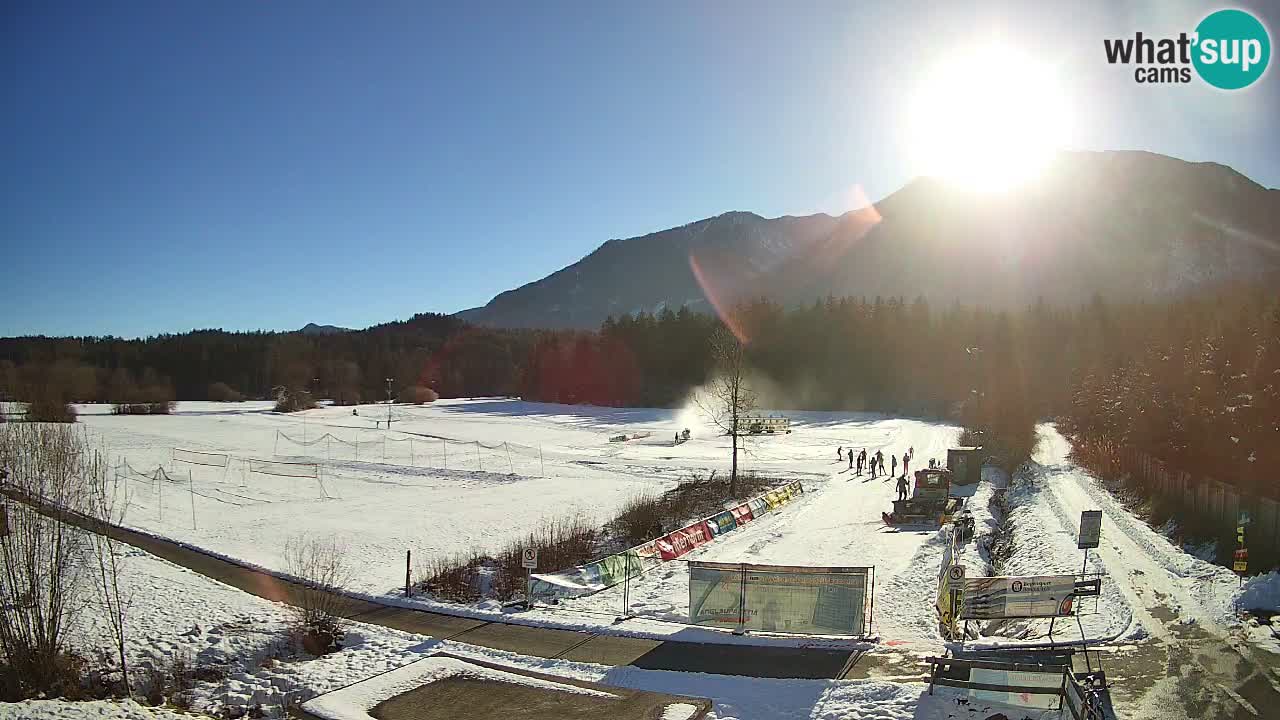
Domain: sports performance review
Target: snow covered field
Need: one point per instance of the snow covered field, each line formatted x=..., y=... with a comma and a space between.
x=466, y=474
x=563, y=462
x=413, y=500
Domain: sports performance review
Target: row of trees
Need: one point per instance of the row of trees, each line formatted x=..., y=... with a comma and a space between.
x=1195, y=382
x=1192, y=380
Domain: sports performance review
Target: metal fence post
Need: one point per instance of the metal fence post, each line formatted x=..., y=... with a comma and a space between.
x=872, y=616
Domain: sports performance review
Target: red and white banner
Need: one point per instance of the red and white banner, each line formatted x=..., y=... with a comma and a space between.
x=679, y=542
x=742, y=513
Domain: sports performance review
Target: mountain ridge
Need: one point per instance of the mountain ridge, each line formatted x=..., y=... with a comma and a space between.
x=1130, y=224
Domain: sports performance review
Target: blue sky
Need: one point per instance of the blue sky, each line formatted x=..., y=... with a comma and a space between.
x=170, y=165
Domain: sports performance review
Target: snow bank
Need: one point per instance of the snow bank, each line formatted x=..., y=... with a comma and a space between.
x=1260, y=592
x=93, y=710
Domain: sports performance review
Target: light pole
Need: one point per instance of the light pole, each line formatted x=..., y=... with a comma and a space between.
x=389, y=381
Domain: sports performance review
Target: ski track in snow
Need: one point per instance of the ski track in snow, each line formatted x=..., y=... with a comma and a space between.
x=1148, y=569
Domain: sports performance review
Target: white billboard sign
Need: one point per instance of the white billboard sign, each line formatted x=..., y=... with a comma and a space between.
x=990, y=598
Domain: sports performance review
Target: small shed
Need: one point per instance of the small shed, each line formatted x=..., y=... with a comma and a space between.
x=965, y=464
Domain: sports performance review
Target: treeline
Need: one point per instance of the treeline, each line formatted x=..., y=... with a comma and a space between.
x=431, y=350
x=1195, y=383
x=1192, y=381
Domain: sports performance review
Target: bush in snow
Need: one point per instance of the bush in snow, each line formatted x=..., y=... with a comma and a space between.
x=50, y=408
x=222, y=392
x=646, y=517
x=318, y=605
x=561, y=543
x=291, y=400
x=420, y=395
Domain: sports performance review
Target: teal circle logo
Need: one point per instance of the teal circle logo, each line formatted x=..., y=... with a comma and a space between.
x=1232, y=49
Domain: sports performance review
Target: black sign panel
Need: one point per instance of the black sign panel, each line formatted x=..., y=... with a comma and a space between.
x=1089, y=588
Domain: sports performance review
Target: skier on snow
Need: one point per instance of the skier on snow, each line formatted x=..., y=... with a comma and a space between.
x=902, y=488
x=894, y=463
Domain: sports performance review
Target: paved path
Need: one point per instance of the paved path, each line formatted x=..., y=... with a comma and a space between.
x=748, y=660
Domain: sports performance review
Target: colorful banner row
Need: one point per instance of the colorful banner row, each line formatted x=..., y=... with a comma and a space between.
x=596, y=576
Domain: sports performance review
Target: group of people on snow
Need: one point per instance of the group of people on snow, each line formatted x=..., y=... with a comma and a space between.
x=877, y=465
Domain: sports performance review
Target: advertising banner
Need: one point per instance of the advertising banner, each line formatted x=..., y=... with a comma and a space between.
x=715, y=594
x=1047, y=700
x=681, y=541
x=779, y=598
x=571, y=583
x=607, y=572
x=990, y=598
x=772, y=499
x=722, y=523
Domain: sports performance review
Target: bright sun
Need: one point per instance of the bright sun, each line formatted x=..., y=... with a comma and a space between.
x=987, y=119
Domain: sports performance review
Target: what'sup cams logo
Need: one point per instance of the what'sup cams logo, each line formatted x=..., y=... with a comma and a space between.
x=1229, y=50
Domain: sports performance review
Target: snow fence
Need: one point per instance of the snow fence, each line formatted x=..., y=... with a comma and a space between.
x=595, y=576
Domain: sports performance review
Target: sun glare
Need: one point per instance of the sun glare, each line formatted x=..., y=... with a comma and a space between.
x=987, y=119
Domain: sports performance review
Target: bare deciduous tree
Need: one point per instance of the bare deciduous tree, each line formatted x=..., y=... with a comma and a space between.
x=108, y=565
x=41, y=559
x=728, y=398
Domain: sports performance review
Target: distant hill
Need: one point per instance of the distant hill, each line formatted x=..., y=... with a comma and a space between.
x=1128, y=225
x=314, y=329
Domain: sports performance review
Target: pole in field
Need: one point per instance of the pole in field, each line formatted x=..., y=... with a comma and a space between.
x=445, y=443
x=191, y=485
x=384, y=445
x=541, y=462
x=510, y=467
x=412, y=461
x=626, y=589
x=529, y=559
x=407, y=554
x=479, y=460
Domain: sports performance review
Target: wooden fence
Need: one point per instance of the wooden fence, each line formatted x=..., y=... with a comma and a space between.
x=1216, y=503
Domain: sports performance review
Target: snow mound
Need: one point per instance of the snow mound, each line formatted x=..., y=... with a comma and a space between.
x=1261, y=592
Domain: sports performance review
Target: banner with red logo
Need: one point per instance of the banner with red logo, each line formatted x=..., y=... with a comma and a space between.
x=679, y=542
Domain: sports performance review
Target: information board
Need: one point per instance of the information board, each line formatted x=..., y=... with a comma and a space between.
x=1090, y=529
